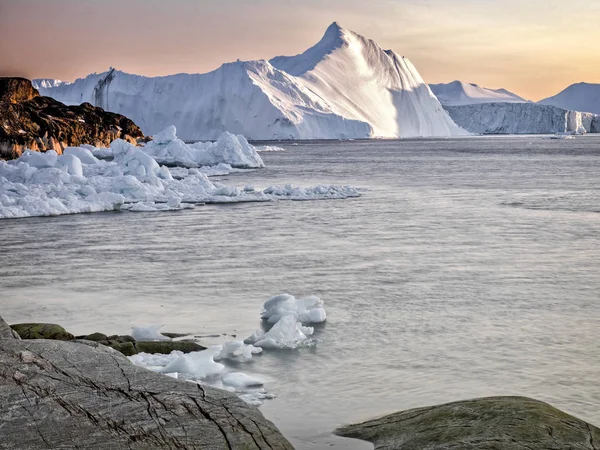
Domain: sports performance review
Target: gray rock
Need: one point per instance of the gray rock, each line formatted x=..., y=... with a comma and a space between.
x=80, y=394
x=498, y=423
x=6, y=332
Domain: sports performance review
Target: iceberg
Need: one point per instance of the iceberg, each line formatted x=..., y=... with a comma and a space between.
x=345, y=86
x=577, y=97
x=458, y=93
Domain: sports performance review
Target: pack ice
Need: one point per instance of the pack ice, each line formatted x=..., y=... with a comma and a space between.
x=47, y=184
x=346, y=86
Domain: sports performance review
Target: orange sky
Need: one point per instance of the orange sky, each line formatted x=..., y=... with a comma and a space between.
x=535, y=50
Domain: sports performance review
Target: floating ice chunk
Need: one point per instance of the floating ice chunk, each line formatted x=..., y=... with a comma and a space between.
x=240, y=380
x=255, y=397
x=312, y=193
x=286, y=333
x=199, y=365
x=149, y=333
x=269, y=148
x=237, y=350
x=83, y=153
x=306, y=310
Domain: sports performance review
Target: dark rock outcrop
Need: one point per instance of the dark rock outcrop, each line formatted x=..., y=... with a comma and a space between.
x=56, y=394
x=28, y=120
x=494, y=423
x=42, y=331
x=129, y=346
x=124, y=344
x=16, y=90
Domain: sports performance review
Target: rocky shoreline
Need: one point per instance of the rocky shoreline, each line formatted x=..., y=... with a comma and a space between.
x=81, y=394
x=58, y=390
x=124, y=344
x=30, y=121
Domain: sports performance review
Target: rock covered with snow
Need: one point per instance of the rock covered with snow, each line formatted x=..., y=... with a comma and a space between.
x=458, y=93
x=345, y=86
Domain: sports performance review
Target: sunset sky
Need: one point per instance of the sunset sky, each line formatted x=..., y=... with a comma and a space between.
x=535, y=48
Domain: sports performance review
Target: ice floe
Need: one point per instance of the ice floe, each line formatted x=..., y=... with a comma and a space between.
x=130, y=178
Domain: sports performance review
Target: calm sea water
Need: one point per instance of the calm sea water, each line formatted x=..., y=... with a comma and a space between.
x=469, y=268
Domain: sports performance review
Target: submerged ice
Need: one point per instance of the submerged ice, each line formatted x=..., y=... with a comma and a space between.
x=131, y=178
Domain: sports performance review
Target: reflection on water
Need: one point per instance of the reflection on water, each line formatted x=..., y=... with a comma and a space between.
x=470, y=267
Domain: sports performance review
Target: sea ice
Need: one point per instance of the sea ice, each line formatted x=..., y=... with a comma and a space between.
x=46, y=184
x=237, y=351
x=229, y=149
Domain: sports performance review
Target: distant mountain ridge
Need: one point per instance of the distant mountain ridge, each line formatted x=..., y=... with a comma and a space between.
x=345, y=86
x=458, y=93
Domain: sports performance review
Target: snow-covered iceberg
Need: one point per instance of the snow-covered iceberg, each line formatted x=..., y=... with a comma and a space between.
x=459, y=93
x=577, y=97
x=346, y=86
x=47, y=184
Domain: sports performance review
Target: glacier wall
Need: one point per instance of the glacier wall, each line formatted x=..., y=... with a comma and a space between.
x=522, y=118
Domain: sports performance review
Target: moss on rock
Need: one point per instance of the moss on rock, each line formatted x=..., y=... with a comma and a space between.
x=42, y=331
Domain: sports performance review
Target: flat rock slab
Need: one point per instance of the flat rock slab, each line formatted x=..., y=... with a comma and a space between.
x=57, y=394
x=494, y=423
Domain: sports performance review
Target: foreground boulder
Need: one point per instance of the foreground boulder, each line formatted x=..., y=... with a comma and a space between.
x=56, y=394
x=28, y=120
x=498, y=423
x=42, y=331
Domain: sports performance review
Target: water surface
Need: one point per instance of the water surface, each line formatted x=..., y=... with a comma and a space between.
x=470, y=267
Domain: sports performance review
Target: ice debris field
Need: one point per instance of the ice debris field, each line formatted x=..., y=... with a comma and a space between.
x=285, y=326
x=166, y=174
